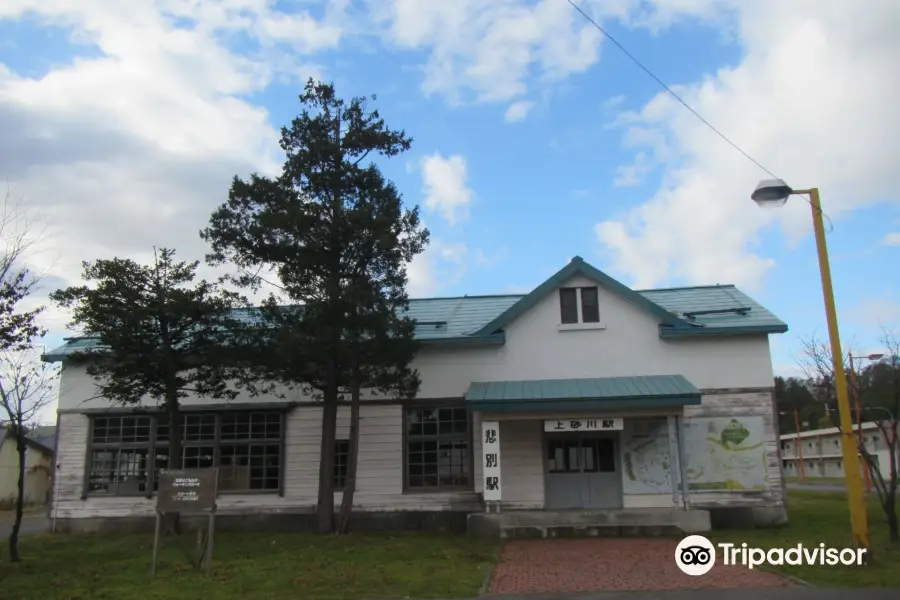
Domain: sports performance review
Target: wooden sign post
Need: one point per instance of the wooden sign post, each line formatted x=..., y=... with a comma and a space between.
x=187, y=492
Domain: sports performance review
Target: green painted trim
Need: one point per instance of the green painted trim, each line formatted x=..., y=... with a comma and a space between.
x=577, y=266
x=667, y=332
x=496, y=339
x=563, y=405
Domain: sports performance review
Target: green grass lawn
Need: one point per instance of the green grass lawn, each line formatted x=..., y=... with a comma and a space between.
x=250, y=565
x=385, y=566
x=822, y=517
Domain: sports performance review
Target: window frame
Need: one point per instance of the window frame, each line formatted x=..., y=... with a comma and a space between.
x=216, y=443
x=468, y=437
x=562, y=313
x=579, y=307
x=581, y=304
x=337, y=444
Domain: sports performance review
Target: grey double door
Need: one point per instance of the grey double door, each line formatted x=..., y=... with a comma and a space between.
x=582, y=471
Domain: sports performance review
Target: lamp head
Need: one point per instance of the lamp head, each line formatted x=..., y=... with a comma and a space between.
x=771, y=193
x=875, y=356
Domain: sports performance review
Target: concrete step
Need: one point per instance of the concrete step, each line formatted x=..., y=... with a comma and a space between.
x=530, y=524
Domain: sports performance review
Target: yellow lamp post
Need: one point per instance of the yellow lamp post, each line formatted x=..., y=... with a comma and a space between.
x=774, y=192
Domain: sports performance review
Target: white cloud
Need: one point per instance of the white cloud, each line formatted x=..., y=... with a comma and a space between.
x=876, y=312
x=811, y=98
x=440, y=266
x=445, y=187
x=633, y=174
x=891, y=239
x=613, y=102
x=134, y=144
x=495, y=49
x=518, y=111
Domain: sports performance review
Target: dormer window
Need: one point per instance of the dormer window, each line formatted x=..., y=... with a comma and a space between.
x=579, y=305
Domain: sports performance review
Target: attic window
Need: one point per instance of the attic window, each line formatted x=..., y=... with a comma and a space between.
x=579, y=305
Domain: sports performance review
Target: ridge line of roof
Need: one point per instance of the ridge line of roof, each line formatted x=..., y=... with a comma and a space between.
x=688, y=287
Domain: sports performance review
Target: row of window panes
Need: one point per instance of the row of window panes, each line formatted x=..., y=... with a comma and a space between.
x=195, y=427
x=436, y=421
x=438, y=452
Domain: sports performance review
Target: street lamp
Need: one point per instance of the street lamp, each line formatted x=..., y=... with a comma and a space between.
x=859, y=430
x=774, y=193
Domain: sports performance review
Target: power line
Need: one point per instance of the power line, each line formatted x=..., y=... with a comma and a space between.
x=681, y=100
x=670, y=90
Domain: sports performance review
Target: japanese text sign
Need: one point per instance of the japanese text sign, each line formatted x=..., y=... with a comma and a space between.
x=490, y=450
x=591, y=424
x=187, y=491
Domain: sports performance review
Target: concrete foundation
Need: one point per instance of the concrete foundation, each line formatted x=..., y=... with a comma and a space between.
x=589, y=523
x=757, y=517
x=449, y=521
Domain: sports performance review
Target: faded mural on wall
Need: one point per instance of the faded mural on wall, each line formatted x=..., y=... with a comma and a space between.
x=721, y=453
x=645, y=457
x=725, y=453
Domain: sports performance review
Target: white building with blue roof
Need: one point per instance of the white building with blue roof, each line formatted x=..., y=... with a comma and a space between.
x=581, y=405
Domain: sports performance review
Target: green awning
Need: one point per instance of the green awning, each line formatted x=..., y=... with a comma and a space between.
x=605, y=393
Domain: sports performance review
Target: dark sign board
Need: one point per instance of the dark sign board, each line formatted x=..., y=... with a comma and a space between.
x=187, y=491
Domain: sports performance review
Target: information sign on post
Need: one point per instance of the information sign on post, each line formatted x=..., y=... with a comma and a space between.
x=187, y=492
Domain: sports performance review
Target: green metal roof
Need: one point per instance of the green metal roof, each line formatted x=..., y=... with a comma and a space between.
x=720, y=309
x=480, y=320
x=580, y=394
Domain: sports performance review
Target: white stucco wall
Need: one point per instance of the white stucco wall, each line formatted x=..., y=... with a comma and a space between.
x=536, y=349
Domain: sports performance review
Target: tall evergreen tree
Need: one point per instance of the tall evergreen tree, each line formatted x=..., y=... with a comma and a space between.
x=160, y=335
x=335, y=234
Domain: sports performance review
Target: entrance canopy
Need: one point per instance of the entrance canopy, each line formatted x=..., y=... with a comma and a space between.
x=605, y=393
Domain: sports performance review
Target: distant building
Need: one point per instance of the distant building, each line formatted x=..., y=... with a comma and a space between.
x=821, y=450
x=38, y=466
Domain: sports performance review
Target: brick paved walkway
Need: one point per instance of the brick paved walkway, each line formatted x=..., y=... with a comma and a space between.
x=610, y=564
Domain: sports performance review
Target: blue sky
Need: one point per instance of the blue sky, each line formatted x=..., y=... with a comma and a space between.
x=535, y=139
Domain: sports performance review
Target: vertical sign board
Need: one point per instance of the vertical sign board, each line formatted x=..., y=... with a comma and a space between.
x=490, y=456
x=187, y=492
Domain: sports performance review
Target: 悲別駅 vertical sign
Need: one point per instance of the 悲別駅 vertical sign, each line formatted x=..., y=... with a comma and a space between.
x=490, y=451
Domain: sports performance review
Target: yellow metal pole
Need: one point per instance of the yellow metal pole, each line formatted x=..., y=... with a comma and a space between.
x=852, y=474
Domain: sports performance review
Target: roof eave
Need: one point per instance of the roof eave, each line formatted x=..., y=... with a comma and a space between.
x=557, y=405
x=670, y=332
x=495, y=339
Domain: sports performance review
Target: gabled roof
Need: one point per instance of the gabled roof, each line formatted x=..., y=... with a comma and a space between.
x=577, y=266
x=481, y=320
x=39, y=442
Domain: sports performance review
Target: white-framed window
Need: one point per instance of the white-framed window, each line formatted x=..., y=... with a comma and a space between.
x=579, y=305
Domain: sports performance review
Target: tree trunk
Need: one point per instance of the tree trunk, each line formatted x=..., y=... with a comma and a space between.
x=890, y=511
x=20, y=500
x=325, y=504
x=352, y=460
x=172, y=521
